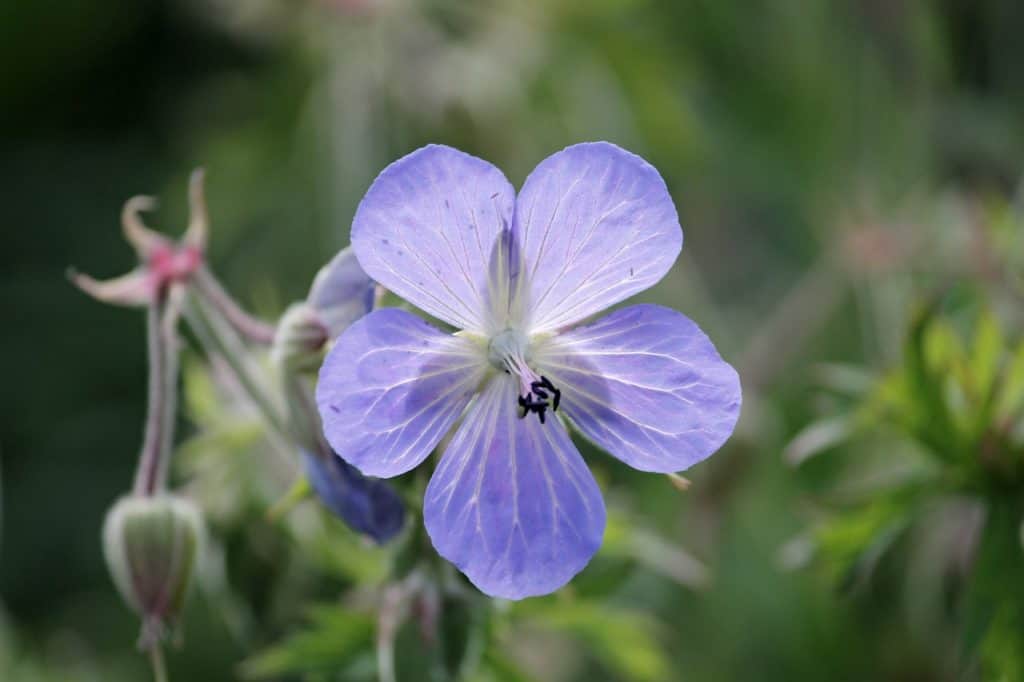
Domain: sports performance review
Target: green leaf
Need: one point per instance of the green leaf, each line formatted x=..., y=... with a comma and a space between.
x=623, y=641
x=334, y=639
x=625, y=539
x=927, y=354
x=942, y=347
x=994, y=603
x=852, y=543
x=986, y=354
x=1002, y=649
x=497, y=668
x=463, y=627
x=1010, y=402
x=816, y=438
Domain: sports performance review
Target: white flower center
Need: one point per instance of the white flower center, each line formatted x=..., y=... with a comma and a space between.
x=509, y=352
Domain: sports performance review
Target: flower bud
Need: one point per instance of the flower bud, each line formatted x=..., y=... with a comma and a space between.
x=368, y=505
x=341, y=292
x=151, y=544
x=300, y=338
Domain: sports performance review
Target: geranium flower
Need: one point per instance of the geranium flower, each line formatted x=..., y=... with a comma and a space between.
x=512, y=503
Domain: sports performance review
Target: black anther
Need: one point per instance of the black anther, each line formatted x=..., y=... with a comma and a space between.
x=530, y=405
x=546, y=383
x=536, y=399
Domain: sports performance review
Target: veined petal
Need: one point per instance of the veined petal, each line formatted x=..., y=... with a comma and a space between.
x=391, y=387
x=594, y=224
x=427, y=227
x=511, y=503
x=647, y=385
x=341, y=293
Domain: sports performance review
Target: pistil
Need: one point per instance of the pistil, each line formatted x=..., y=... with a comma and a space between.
x=509, y=351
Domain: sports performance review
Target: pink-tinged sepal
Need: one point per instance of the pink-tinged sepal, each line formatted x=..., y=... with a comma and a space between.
x=133, y=289
x=163, y=262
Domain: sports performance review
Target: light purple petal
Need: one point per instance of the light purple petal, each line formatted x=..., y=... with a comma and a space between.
x=511, y=503
x=341, y=293
x=426, y=229
x=647, y=385
x=391, y=387
x=594, y=224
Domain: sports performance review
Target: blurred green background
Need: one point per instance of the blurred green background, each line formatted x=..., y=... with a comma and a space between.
x=836, y=166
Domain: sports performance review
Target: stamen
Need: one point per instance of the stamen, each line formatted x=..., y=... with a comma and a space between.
x=545, y=383
x=509, y=352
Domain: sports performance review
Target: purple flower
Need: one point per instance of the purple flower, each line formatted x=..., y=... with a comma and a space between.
x=511, y=502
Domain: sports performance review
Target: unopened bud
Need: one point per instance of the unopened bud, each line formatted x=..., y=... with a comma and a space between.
x=368, y=505
x=300, y=339
x=341, y=293
x=151, y=546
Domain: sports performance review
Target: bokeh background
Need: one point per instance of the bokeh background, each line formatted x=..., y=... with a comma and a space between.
x=838, y=167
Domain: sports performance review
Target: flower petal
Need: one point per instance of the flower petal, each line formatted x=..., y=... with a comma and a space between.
x=511, y=503
x=647, y=385
x=426, y=229
x=594, y=224
x=341, y=293
x=367, y=505
x=391, y=387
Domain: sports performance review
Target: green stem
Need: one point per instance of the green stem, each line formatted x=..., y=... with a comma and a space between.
x=303, y=415
x=156, y=657
x=216, y=295
x=220, y=340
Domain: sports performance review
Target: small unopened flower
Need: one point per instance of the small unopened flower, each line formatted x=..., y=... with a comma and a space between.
x=163, y=262
x=341, y=293
x=151, y=544
x=369, y=506
x=512, y=503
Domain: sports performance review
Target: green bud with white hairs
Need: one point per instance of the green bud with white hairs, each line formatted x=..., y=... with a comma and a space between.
x=300, y=339
x=151, y=545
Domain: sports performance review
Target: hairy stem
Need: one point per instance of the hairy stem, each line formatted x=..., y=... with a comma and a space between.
x=216, y=295
x=156, y=658
x=219, y=340
x=161, y=335
x=303, y=415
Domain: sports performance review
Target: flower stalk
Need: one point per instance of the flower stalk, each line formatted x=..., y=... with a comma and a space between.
x=156, y=658
x=250, y=327
x=162, y=340
x=219, y=338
